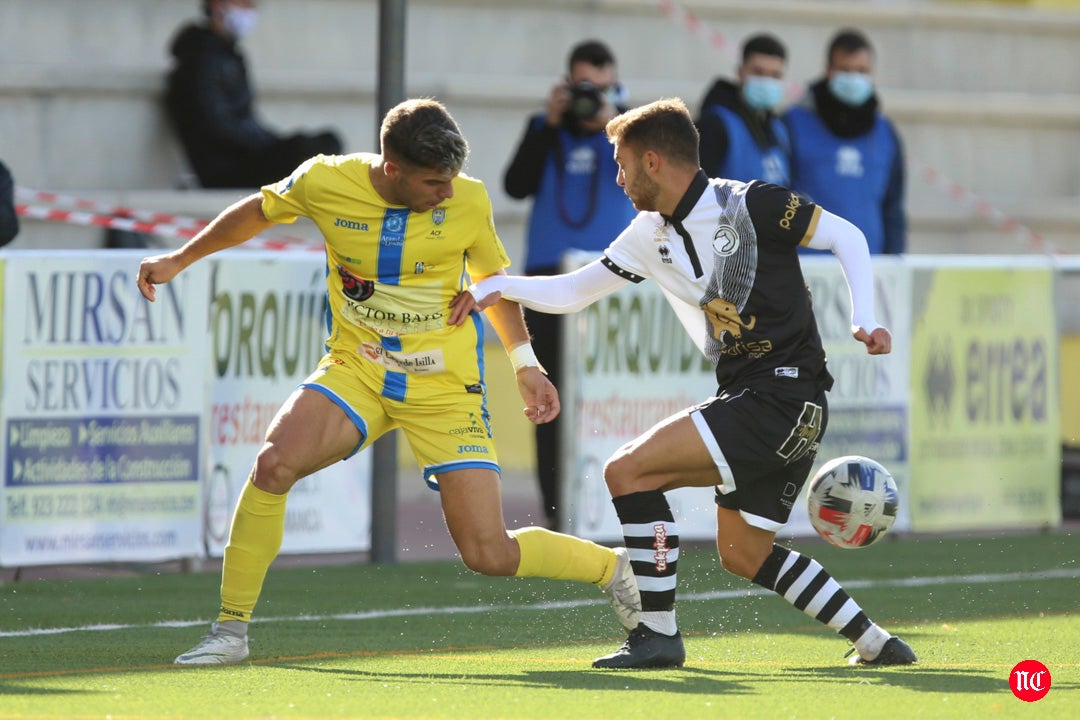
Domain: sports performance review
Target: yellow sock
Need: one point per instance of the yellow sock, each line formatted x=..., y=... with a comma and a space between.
x=563, y=557
x=257, y=528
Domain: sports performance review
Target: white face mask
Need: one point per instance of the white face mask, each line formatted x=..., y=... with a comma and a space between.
x=240, y=21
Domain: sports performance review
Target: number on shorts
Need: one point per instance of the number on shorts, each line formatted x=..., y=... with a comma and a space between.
x=803, y=437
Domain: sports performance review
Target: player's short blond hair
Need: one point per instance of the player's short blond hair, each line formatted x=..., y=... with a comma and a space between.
x=664, y=126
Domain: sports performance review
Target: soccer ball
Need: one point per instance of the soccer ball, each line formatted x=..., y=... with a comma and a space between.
x=852, y=501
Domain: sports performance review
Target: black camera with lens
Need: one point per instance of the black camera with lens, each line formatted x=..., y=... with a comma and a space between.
x=585, y=100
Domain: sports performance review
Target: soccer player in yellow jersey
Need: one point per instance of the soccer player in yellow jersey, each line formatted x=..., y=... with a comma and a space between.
x=404, y=231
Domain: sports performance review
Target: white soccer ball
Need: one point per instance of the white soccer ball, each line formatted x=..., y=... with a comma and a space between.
x=852, y=501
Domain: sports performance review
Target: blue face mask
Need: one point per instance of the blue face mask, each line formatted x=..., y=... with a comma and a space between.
x=762, y=93
x=851, y=88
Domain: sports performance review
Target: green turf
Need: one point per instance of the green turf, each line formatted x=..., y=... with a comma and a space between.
x=970, y=608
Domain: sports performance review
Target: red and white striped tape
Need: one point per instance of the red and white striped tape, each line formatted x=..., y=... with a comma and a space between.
x=80, y=211
x=694, y=25
x=982, y=209
x=45, y=197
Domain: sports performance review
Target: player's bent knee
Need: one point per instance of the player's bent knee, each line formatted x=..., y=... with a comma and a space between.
x=271, y=474
x=739, y=564
x=619, y=476
x=494, y=560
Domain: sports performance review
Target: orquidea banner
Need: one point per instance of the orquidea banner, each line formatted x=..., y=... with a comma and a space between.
x=267, y=333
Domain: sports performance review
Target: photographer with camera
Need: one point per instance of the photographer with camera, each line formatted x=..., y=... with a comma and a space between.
x=566, y=163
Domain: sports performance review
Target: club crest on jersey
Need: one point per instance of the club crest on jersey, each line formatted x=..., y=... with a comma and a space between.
x=665, y=254
x=353, y=287
x=725, y=241
x=438, y=216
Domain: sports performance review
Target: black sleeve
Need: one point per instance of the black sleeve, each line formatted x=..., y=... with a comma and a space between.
x=780, y=214
x=522, y=177
x=9, y=220
x=894, y=220
x=713, y=143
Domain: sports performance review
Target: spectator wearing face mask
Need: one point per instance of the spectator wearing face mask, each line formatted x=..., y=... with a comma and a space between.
x=211, y=105
x=846, y=156
x=742, y=138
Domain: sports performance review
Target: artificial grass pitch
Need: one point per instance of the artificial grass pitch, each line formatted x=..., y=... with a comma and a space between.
x=433, y=640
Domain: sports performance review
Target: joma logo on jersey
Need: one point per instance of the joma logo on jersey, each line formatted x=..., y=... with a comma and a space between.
x=793, y=204
x=350, y=224
x=462, y=449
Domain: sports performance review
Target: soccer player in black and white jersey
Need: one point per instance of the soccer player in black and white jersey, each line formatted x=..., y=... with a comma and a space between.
x=725, y=255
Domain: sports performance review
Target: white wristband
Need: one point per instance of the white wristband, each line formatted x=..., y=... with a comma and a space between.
x=523, y=356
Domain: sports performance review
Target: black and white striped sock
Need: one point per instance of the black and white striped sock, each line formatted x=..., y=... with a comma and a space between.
x=652, y=542
x=804, y=583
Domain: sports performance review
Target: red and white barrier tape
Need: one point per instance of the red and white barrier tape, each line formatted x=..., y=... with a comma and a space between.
x=982, y=209
x=83, y=217
x=694, y=25
x=45, y=197
x=89, y=213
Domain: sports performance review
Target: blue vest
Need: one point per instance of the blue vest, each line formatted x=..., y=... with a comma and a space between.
x=846, y=176
x=745, y=160
x=578, y=205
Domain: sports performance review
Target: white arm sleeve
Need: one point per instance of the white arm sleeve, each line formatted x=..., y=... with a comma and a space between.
x=848, y=243
x=555, y=294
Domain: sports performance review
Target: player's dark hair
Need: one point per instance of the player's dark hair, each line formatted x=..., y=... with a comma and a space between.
x=847, y=41
x=422, y=133
x=763, y=44
x=593, y=52
x=664, y=126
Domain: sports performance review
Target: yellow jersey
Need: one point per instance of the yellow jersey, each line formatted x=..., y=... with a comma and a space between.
x=391, y=273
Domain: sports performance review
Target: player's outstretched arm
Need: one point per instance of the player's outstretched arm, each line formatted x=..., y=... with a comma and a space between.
x=240, y=221
x=553, y=294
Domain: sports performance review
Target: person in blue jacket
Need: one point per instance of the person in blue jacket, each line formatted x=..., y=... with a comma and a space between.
x=742, y=137
x=565, y=163
x=846, y=155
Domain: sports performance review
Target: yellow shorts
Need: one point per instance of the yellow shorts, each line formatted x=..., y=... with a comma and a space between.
x=446, y=431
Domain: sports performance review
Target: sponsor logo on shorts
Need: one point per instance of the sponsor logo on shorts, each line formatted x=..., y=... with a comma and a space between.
x=472, y=430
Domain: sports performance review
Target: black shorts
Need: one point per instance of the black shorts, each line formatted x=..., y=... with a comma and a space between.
x=764, y=444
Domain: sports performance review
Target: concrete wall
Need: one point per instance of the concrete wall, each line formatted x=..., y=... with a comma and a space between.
x=989, y=95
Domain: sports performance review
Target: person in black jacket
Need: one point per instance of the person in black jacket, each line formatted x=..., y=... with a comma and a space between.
x=211, y=105
x=9, y=220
